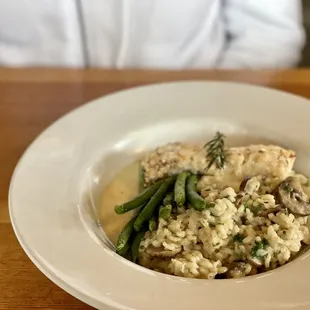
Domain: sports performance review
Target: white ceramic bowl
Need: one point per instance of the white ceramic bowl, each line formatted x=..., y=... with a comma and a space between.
x=58, y=180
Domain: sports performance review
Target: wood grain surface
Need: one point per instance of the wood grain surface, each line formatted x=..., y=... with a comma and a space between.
x=30, y=100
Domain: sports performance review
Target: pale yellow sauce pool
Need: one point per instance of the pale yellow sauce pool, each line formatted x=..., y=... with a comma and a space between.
x=122, y=188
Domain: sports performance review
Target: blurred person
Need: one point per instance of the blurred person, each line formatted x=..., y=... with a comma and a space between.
x=172, y=34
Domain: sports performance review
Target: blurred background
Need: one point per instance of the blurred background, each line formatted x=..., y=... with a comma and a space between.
x=306, y=55
x=55, y=51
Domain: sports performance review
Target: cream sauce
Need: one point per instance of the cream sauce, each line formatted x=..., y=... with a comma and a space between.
x=122, y=188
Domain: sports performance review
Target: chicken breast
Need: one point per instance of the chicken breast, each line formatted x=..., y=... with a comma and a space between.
x=241, y=162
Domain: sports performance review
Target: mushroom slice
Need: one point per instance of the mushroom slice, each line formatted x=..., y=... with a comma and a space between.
x=162, y=252
x=238, y=270
x=265, y=212
x=254, y=261
x=291, y=195
x=243, y=184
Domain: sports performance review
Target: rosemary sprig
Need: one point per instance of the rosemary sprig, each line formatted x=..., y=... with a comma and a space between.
x=216, y=152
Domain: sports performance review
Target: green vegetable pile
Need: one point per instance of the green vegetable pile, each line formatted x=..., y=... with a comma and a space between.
x=159, y=200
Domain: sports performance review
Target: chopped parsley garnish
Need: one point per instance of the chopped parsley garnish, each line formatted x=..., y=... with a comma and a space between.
x=287, y=188
x=257, y=209
x=210, y=204
x=238, y=238
x=259, y=245
x=246, y=206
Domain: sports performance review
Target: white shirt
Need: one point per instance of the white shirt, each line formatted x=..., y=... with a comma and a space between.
x=175, y=34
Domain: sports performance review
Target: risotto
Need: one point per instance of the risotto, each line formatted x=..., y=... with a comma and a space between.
x=248, y=216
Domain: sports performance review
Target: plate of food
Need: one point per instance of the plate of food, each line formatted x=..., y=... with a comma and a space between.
x=180, y=196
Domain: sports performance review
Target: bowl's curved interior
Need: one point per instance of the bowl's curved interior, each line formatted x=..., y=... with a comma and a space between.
x=85, y=149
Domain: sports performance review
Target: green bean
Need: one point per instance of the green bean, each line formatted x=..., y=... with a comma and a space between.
x=179, y=188
x=196, y=201
x=168, y=200
x=139, y=200
x=128, y=255
x=136, y=245
x=147, y=212
x=165, y=212
x=141, y=178
x=152, y=223
x=122, y=243
x=124, y=251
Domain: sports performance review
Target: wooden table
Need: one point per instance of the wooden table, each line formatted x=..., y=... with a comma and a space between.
x=30, y=100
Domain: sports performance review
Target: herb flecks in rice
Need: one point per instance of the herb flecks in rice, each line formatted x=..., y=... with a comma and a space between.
x=217, y=240
x=238, y=220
